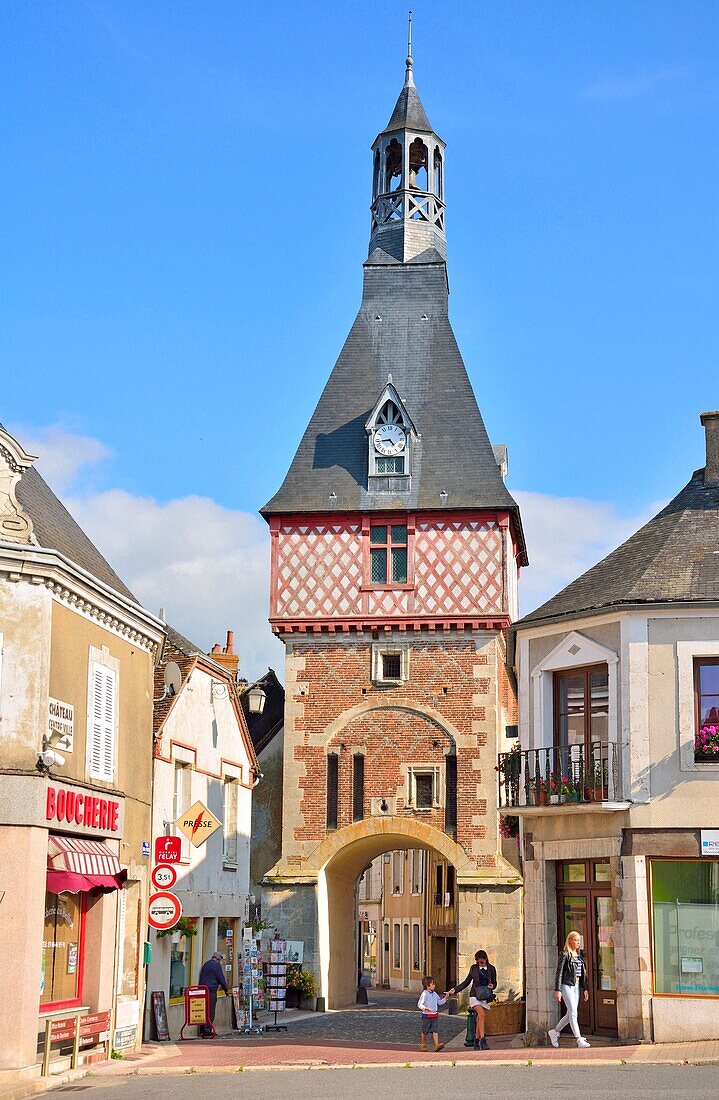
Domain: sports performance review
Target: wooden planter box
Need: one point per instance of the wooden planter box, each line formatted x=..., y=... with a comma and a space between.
x=505, y=1018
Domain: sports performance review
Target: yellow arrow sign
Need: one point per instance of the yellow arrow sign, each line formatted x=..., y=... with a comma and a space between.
x=197, y=824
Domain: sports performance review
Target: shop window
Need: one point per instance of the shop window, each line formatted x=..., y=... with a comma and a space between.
x=129, y=937
x=706, y=691
x=62, y=950
x=226, y=927
x=396, y=947
x=229, y=824
x=416, y=956
x=181, y=964
x=102, y=722
x=685, y=926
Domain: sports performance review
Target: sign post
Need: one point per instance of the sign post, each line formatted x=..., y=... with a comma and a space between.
x=164, y=910
x=197, y=1009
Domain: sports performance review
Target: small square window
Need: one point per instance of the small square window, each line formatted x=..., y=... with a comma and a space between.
x=424, y=790
x=378, y=534
x=390, y=663
x=391, y=666
x=399, y=566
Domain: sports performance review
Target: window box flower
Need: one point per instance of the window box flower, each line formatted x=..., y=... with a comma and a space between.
x=706, y=744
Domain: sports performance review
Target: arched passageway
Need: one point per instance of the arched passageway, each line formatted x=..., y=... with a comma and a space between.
x=341, y=860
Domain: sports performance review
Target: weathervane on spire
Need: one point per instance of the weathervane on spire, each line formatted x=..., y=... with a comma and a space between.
x=409, y=79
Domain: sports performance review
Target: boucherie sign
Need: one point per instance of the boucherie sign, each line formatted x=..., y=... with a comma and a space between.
x=78, y=810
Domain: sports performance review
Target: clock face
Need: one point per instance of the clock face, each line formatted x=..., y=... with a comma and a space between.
x=390, y=439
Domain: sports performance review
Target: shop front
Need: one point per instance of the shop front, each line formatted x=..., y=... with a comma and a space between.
x=63, y=906
x=83, y=910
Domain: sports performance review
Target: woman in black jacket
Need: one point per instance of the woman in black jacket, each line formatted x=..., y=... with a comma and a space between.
x=483, y=979
x=570, y=980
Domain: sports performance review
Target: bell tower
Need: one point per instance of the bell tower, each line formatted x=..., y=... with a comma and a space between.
x=408, y=178
x=396, y=549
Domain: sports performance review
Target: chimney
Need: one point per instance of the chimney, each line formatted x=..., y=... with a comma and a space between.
x=227, y=656
x=710, y=420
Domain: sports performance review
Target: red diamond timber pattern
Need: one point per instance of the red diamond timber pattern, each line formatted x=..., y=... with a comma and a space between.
x=319, y=570
x=458, y=567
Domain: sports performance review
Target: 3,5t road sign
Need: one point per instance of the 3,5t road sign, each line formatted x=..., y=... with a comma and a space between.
x=164, y=876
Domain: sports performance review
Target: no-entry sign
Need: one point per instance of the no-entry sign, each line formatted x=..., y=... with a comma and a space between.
x=164, y=876
x=168, y=849
x=164, y=910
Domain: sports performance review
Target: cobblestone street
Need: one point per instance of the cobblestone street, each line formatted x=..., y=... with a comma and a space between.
x=390, y=1017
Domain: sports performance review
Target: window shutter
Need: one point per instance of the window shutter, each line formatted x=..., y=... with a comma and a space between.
x=450, y=794
x=102, y=725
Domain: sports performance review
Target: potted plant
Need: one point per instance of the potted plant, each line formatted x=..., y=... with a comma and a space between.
x=568, y=790
x=304, y=986
x=706, y=744
x=599, y=789
x=186, y=926
x=508, y=826
x=541, y=792
x=554, y=788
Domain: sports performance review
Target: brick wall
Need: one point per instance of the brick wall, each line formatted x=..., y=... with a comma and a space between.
x=452, y=702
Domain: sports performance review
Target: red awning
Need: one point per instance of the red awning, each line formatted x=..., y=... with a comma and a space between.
x=75, y=864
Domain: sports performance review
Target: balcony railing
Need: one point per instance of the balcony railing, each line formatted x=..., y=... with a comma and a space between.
x=560, y=774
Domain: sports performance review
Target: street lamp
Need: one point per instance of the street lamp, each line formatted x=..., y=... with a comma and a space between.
x=256, y=698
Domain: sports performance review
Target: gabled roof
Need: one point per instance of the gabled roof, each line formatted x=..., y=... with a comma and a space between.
x=55, y=529
x=189, y=656
x=673, y=559
x=402, y=328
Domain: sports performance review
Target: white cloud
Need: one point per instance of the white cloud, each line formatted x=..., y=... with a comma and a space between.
x=208, y=566
x=629, y=87
x=565, y=536
x=62, y=455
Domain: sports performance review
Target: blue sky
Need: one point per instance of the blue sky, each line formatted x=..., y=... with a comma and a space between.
x=185, y=212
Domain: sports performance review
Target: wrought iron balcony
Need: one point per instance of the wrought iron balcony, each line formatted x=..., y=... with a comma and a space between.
x=560, y=775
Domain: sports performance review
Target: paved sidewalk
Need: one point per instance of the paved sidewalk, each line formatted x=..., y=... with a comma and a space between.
x=222, y=1056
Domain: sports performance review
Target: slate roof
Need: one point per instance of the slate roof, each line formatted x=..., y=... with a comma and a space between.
x=263, y=727
x=55, y=529
x=402, y=329
x=409, y=114
x=673, y=559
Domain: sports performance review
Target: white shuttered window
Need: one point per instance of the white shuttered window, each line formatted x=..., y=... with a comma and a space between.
x=103, y=703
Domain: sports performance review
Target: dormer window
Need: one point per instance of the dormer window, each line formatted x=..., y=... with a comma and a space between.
x=390, y=441
x=390, y=433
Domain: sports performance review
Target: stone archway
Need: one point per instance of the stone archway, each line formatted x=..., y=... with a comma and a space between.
x=339, y=861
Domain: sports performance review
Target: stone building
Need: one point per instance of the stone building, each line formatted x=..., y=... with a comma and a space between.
x=396, y=549
x=77, y=655
x=617, y=780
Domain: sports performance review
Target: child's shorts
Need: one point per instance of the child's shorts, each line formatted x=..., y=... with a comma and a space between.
x=429, y=1025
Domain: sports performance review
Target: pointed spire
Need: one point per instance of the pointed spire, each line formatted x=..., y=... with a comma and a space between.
x=408, y=76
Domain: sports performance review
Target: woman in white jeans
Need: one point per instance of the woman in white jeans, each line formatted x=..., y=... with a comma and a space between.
x=569, y=980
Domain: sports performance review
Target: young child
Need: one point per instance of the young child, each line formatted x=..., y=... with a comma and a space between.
x=429, y=1004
